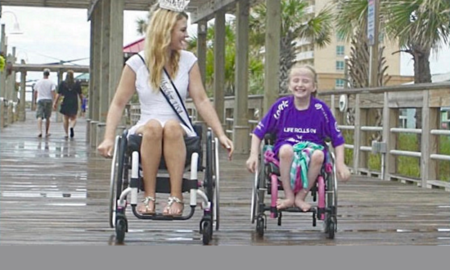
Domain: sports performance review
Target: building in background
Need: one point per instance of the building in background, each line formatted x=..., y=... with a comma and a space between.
x=329, y=61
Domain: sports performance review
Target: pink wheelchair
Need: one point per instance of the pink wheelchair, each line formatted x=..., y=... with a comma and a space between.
x=267, y=181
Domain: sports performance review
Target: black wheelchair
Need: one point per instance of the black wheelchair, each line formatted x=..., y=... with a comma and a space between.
x=127, y=180
x=267, y=180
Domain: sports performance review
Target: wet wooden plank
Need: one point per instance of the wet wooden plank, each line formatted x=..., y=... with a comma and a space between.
x=54, y=191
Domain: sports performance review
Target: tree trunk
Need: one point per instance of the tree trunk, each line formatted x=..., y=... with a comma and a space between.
x=422, y=73
x=287, y=56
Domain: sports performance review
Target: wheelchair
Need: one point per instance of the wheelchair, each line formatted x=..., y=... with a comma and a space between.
x=127, y=180
x=267, y=180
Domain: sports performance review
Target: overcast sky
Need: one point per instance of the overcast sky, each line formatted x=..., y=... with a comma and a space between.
x=50, y=35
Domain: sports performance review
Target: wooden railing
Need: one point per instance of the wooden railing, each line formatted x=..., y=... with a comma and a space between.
x=430, y=98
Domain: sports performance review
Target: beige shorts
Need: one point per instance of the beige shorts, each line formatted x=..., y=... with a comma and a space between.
x=44, y=109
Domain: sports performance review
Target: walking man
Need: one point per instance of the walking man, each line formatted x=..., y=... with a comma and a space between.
x=44, y=91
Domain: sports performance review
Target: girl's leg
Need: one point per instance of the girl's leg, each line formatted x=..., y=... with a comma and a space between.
x=286, y=154
x=175, y=157
x=315, y=164
x=151, y=149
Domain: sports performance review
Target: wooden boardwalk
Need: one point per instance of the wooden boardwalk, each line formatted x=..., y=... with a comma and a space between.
x=56, y=191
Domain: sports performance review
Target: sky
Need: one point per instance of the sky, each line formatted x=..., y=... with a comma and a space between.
x=50, y=35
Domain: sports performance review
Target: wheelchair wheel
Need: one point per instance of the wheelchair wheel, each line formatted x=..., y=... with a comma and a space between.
x=209, y=183
x=206, y=232
x=112, y=183
x=260, y=224
x=254, y=203
x=121, y=228
x=216, y=181
x=331, y=227
x=331, y=204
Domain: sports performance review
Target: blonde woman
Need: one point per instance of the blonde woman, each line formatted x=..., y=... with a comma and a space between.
x=161, y=130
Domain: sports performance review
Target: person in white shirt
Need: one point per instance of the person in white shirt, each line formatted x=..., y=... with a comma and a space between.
x=161, y=130
x=44, y=91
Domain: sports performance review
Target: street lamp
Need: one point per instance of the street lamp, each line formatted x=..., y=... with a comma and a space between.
x=16, y=28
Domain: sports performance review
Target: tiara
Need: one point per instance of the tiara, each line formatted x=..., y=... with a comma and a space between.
x=174, y=5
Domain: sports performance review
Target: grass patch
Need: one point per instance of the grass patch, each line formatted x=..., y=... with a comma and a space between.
x=407, y=166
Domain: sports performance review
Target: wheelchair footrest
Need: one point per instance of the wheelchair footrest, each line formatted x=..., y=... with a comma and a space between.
x=160, y=216
x=292, y=210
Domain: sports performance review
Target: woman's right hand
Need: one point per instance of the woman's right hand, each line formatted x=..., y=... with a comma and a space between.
x=252, y=163
x=105, y=148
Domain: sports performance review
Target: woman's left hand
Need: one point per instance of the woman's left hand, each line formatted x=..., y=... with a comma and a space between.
x=227, y=144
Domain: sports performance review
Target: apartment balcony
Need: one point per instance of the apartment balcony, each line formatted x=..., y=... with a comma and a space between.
x=304, y=56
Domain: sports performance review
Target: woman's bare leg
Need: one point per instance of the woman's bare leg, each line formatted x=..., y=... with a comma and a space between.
x=286, y=154
x=175, y=157
x=72, y=123
x=151, y=149
x=315, y=164
x=66, y=125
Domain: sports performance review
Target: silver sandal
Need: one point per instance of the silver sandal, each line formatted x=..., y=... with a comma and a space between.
x=172, y=200
x=146, y=202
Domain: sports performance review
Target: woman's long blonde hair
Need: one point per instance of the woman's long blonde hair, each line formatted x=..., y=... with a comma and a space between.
x=158, y=39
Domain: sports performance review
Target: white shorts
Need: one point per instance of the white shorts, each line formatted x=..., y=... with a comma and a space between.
x=140, y=123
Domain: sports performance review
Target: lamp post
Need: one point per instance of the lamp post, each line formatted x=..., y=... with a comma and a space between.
x=4, y=44
x=16, y=27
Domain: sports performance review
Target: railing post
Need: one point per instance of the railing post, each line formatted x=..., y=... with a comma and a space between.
x=390, y=118
x=357, y=135
x=428, y=167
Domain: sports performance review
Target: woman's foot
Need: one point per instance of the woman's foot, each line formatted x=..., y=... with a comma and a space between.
x=174, y=207
x=148, y=206
x=283, y=204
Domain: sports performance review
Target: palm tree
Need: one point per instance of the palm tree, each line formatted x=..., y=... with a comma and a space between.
x=421, y=26
x=296, y=23
x=351, y=24
x=141, y=25
x=230, y=54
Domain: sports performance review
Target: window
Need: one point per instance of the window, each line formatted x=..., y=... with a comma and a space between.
x=340, y=65
x=340, y=50
x=339, y=83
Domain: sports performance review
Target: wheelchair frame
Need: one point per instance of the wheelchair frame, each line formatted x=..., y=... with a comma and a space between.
x=266, y=180
x=126, y=180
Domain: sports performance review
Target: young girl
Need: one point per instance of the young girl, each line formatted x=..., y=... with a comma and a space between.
x=294, y=119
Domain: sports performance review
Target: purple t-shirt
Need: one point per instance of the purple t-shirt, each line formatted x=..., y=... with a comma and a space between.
x=291, y=126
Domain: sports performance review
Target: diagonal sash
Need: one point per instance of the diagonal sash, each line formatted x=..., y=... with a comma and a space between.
x=170, y=92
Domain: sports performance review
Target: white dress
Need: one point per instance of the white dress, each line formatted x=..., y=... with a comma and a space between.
x=153, y=103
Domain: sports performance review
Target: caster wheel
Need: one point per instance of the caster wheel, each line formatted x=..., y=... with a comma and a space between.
x=121, y=228
x=260, y=226
x=331, y=227
x=207, y=232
